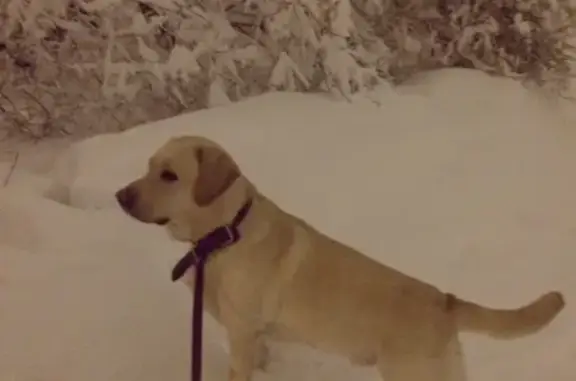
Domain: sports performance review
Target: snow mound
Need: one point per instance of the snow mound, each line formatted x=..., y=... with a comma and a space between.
x=415, y=115
x=17, y=224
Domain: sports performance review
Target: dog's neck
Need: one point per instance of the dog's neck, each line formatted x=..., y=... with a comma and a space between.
x=194, y=226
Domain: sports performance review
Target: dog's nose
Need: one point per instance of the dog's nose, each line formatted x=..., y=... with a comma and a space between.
x=127, y=197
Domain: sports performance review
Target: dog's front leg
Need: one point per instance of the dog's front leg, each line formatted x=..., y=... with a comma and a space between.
x=244, y=347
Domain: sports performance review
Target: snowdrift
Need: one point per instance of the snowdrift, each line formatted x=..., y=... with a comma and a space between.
x=472, y=191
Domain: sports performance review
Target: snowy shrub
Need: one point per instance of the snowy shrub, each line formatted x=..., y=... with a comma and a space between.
x=86, y=66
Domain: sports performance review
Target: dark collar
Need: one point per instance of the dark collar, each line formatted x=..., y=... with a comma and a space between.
x=218, y=239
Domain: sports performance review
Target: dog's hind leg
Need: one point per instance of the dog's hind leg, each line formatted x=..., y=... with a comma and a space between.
x=432, y=364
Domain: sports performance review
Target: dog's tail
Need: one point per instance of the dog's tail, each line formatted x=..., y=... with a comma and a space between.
x=506, y=323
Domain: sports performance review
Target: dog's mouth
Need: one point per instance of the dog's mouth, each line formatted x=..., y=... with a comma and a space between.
x=161, y=221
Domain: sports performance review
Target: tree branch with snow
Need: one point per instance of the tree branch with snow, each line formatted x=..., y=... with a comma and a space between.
x=85, y=66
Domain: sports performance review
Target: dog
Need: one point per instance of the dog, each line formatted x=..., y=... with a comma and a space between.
x=284, y=280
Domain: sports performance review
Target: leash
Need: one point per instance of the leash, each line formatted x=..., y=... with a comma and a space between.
x=218, y=239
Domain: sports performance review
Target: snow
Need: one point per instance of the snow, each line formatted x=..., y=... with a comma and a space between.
x=462, y=180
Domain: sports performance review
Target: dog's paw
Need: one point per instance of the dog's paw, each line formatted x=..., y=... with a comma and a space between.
x=263, y=358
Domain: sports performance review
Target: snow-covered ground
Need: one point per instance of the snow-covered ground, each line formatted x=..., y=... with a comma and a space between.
x=463, y=180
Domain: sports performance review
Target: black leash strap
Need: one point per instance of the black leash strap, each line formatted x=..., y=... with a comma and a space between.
x=218, y=239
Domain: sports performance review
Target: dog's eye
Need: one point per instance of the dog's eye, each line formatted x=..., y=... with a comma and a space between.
x=168, y=176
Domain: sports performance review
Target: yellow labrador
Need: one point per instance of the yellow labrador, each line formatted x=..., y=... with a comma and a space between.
x=285, y=280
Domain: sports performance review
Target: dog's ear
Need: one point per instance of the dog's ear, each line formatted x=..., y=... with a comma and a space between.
x=216, y=173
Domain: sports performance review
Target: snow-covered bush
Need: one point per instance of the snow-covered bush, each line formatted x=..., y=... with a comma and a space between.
x=85, y=66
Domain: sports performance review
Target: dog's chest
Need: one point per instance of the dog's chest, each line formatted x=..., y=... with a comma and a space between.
x=231, y=285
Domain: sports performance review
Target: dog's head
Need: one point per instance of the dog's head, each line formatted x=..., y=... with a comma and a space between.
x=185, y=188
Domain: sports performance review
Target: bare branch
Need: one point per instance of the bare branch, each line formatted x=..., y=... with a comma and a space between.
x=12, y=168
